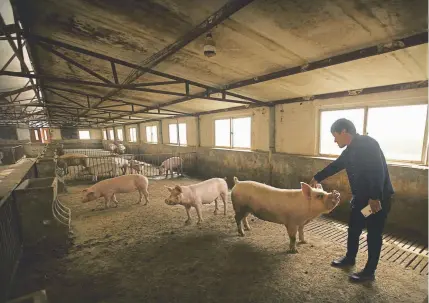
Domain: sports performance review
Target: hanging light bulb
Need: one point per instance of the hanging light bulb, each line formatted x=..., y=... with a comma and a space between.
x=209, y=46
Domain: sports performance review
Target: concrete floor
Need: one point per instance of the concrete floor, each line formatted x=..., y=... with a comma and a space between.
x=137, y=253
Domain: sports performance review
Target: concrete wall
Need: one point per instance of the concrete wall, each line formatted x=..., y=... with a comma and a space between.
x=23, y=133
x=56, y=134
x=296, y=157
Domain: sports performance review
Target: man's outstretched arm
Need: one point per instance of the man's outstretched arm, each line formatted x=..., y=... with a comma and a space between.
x=330, y=170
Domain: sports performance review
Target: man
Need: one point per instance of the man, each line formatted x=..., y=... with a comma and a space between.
x=370, y=184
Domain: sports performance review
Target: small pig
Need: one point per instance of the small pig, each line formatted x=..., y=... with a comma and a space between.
x=122, y=184
x=292, y=207
x=198, y=194
x=169, y=165
x=102, y=168
x=138, y=166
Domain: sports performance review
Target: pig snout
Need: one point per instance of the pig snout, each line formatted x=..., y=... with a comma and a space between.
x=334, y=199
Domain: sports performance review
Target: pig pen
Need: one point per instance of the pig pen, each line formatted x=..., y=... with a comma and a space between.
x=136, y=253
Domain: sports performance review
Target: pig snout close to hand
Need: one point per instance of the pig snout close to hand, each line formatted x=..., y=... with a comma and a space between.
x=122, y=184
x=196, y=195
x=291, y=207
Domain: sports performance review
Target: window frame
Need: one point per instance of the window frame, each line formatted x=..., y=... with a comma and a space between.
x=424, y=154
x=231, y=138
x=177, y=134
x=110, y=132
x=151, y=127
x=122, y=134
x=130, y=139
x=84, y=130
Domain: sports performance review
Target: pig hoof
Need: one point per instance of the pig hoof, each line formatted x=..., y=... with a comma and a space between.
x=215, y=212
x=199, y=222
x=187, y=222
x=246, y=228
x=292, y=251
x=302, y=242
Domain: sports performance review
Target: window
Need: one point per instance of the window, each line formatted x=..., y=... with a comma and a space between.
x=45, y=132
x=398, y=129
x=111, y=135
x=84, y=134
x=327, y=144
x=233, y=133
x=36, y=134
x=133, y=134
x=104, y=134
x=151, y=134
x=174, y=134
x=120, y=134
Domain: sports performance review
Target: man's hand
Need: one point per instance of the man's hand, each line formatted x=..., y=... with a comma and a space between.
x=313, y=183
x=375, y=205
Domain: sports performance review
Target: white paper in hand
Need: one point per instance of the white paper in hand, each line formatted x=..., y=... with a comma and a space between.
x=366, y=211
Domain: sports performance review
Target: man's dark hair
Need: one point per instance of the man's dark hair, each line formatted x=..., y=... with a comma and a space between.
x=341, y=124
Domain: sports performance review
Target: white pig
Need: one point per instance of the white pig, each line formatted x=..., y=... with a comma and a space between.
x=196, y=195
x=122, y=184
x=292, y=207
x=169, y=165
x=138, y=166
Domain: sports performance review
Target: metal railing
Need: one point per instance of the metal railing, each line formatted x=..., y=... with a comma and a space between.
x=88, y=152
x=108, y=166
x=10, y=243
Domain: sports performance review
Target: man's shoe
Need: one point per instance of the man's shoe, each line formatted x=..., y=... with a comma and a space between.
x=362, y=276
x=343, y=262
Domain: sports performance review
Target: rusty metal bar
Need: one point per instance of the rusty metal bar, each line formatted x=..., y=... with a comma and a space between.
x=115, y=75
x=364, y=91
x=75, y=63
x=414, y=40
x=209, y=23
x=92, y=83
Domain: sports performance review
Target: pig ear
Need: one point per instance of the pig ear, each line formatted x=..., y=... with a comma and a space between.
x=85, y=190
x=169, y=188
x=178, y=188
x=306, y=190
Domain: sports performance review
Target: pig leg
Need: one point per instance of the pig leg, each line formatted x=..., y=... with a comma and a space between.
x=291, y=230
x=187, y=222
x=113, y=198
x=223, y=197
x=239, y=215
x=199, y=213
x=246, y=223
x=146, y=196
x=166, y=173
x=301, y=235
x=106, y=201
x=216, y=209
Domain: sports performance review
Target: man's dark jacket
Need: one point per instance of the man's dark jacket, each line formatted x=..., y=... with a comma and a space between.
x=366, y=169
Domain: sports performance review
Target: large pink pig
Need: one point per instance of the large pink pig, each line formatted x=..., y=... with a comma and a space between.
x=196, y=195
x=292, y=207
x=122, y=184
x=169, y=165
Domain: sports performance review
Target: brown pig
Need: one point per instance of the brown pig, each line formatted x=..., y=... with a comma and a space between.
x=291, y=207
x=122, y=184
x=196, y=195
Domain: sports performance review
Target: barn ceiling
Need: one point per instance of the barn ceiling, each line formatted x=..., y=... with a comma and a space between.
x=104, y=62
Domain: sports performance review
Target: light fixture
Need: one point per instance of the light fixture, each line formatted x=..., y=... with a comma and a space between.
x=209, y=46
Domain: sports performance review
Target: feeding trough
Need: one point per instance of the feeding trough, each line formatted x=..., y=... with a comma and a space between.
x=43, y=217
